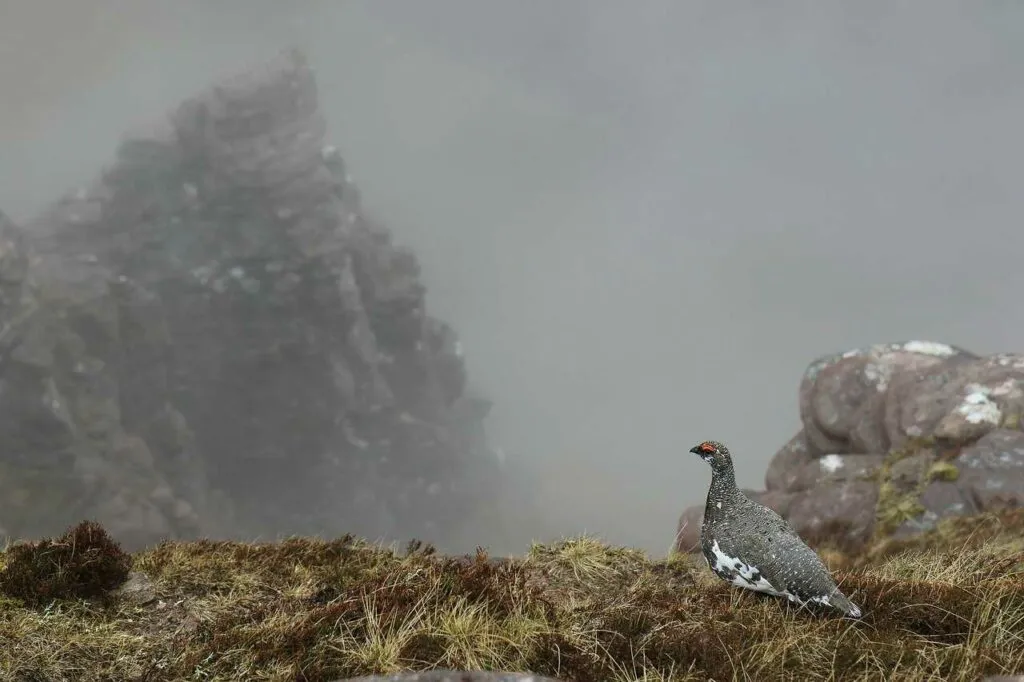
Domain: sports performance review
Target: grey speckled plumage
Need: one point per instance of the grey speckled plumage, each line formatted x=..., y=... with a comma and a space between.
x=751, y=546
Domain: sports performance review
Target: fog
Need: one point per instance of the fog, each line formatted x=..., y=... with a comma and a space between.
x=643, y=219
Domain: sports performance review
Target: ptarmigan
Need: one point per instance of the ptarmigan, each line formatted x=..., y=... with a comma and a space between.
x=751, y=546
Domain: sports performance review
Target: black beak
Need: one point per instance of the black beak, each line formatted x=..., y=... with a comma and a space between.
x=695, y=449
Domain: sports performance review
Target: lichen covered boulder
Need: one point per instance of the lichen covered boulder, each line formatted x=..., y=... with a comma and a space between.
x=894, y=438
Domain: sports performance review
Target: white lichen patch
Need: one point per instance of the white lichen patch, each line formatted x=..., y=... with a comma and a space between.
x=939, y=350
x=978, y=408
x=878, y=374
x=1011, y=388
x=1009, y=360
x=882, y=349
x=1011, y=459
x=811, y=373
x=831, y=463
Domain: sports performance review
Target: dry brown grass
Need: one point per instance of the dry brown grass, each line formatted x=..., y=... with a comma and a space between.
x=949, y=605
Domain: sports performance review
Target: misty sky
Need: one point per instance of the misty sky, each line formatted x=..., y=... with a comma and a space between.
x=644, y=219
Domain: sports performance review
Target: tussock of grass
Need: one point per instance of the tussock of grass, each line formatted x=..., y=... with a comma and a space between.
x=948, y=605
x=84, y=562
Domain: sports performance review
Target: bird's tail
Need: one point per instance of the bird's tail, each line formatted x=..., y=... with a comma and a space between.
x=839, y=601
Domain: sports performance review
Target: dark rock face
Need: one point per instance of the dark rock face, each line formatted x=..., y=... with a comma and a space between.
x=846, y=509
x=896, y=437
x=213, y=336
x=992, y=470
x=786, y=463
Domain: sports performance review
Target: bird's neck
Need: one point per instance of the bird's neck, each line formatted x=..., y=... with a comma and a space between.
x=723, y=487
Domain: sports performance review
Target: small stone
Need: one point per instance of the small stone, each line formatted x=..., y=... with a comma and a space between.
x=137, y=589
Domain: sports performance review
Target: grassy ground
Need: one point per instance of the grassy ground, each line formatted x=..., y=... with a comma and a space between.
x=949, y=605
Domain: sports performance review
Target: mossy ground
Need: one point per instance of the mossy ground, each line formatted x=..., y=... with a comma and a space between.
x=894, y=506
x=948, y=605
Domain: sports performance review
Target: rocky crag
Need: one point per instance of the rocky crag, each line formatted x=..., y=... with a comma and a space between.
x=895, y=437
x=214, y=337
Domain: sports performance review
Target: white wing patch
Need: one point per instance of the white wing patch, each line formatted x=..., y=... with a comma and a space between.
x=743, y=575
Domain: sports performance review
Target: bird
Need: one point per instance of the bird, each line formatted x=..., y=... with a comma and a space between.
x=751, y=546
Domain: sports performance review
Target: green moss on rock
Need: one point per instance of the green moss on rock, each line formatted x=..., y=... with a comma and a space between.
x=896, y=506
x=943, y=471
